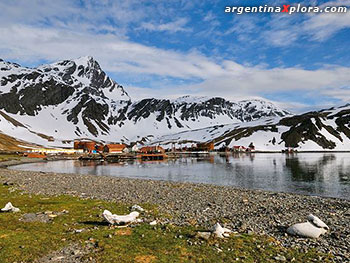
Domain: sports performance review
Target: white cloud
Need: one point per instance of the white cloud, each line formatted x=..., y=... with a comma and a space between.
x=281, y=38
x=173, y=27
x=283, y=30
x=139, y=93
x=219, y=78
x=340, y=93
x=252, y=80
x=115, y=16
x=209, y=16
x=26, y=38
x=32, y=44
x=322, y=27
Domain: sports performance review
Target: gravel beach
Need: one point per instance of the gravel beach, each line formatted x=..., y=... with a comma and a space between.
x=248, y=211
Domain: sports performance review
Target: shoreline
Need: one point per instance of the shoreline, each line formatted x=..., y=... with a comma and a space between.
x=237, y=188
x=242, y=210
x=6, y=164
x=25, y=160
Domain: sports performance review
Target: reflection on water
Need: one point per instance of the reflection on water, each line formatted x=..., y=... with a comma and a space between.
x=324, y=174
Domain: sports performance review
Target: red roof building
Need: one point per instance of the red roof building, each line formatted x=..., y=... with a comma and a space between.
x=87, y=146
x=239, y=148
x=152, y=149
x=205, y=146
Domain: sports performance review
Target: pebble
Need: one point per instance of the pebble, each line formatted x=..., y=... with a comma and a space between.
x=280, y=258
x=203, y=235
x=153, y=223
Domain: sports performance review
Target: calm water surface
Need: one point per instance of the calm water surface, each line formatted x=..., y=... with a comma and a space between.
x=323, y=174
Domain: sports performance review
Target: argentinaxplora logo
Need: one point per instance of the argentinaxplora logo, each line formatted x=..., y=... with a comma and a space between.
x=287, y=9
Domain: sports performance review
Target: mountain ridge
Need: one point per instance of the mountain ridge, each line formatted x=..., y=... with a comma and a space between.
x=76, y=98
x=53, y=104
x=324, y=130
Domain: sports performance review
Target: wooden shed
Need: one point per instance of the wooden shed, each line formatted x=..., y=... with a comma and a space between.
x=114, y=148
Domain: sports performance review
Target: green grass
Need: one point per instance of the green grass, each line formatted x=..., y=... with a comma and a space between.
x=25, y=242
x=7, y=157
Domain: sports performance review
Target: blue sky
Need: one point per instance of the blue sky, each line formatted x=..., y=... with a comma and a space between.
x=173, y=48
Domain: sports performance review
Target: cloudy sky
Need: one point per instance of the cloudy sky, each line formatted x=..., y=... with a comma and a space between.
x=170, y=48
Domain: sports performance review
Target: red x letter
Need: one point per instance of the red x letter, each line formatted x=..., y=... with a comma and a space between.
x=285, y=8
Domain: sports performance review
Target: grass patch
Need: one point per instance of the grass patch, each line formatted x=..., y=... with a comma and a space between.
x=7, y=157
x=26, y=242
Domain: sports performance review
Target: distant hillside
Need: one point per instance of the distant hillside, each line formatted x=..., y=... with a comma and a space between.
x=313, y=131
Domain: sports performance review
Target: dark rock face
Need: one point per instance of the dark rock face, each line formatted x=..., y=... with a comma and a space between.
x=308, y=127
x=210, y=108
x=31, y=99
x=342, y=119
x=90, y=110
x=311, y=126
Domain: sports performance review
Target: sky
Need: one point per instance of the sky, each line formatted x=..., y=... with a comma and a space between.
x=168, y=48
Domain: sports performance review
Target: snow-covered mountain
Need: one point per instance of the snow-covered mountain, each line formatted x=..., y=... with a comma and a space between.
x=73, y=99
x=76, y=92
x=313, y=131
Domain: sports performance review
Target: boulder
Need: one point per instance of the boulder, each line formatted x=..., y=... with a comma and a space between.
x=120, y=219
x=313, y=228
x=39, y=217
x=10, y=208
x=204, y=235
x=153, y=223
x=219, y=231
x=305, y=230
x=137, y=208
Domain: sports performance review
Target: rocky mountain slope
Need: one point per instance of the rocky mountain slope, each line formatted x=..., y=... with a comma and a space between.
x=54, y=103
x=79, y=90
x=313, y=131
